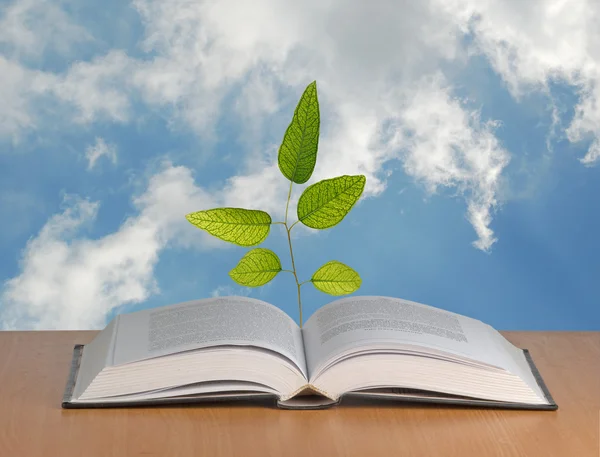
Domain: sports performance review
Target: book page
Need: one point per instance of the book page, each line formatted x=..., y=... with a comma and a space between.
x=204, y=323
x=96, y=355
x=358, y=322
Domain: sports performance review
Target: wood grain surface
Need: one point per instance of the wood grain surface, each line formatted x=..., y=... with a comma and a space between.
x=34, y=368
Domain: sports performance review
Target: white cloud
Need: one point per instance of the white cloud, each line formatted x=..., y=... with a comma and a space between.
x=586, y=123
x=70, y=281
x=14, y=111
x=365, y=59
x=87, y=92
x=593, y=154
x=265, y=189
x=98, y=89
x=18, y=92
x=532, y=43
x=363, y=74
x=223, y=291
x=202, y=50
x=30, y=27
x=98, y=149
x=446, y=145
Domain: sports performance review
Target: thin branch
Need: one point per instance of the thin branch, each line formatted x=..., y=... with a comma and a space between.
x=295, y=275
x=287, y=205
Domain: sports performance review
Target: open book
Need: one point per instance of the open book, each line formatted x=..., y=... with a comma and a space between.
x=231, y=348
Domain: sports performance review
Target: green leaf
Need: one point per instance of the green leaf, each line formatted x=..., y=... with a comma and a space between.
x=298, y=150
x=326, y=203
x=256, y=268
x=335, y=278
x=244, y=227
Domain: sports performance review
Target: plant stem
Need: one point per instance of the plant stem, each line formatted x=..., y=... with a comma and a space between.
x=287, y=205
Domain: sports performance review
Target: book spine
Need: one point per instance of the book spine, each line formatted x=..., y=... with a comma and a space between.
x=72, y=378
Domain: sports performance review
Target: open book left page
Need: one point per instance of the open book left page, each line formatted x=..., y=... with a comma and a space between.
x=163, y=345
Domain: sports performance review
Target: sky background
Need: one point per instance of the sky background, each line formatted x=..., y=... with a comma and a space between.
x=477, y=124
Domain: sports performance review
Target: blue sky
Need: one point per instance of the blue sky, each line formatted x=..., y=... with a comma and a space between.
x=479, y=138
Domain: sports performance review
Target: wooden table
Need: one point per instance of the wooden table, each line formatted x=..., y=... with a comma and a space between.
x=33, y=371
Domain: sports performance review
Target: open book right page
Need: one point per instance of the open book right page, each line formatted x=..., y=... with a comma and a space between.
x=358, y=323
